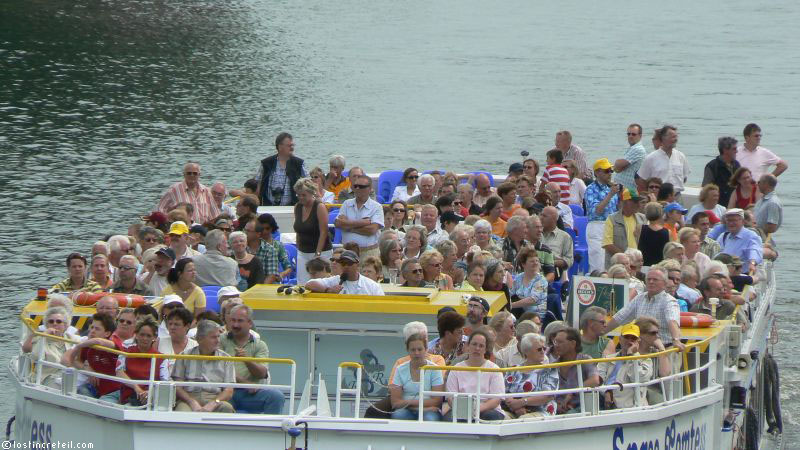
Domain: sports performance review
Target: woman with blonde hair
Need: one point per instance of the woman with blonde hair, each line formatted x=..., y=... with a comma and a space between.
x=431, y=262
x=503, y=325
x=311, y=226
x=318, y=177
x=709, y=201
x=690, y=239
x=653, y=236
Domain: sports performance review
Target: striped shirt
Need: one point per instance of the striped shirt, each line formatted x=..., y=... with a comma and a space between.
x=205, y=208
x=662, y=306
x=577, y=154
x=556, y=173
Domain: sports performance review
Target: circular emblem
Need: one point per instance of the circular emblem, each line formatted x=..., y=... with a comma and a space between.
x=585, y=292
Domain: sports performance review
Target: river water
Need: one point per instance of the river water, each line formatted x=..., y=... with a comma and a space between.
x=101, y=103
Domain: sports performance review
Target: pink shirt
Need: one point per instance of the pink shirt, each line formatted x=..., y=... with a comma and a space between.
x=556, y=173
x=467, y=382
x=758, y=160
x=205, y=208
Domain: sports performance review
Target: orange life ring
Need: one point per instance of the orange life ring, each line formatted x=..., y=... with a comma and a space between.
x=696, y=320
x=124, y=300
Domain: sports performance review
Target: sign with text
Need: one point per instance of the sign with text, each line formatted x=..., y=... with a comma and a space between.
x=606, y=293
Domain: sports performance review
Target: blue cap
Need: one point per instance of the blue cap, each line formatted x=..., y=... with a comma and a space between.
x=674, y=206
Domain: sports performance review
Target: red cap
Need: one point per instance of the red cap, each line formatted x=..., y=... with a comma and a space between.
x=157, y=217
x=712, y=217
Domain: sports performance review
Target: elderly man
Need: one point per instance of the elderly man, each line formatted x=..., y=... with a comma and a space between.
x=335, y=181
x=107, y=305
x=127, y=283
x=361, y=218
x=667, y=162
x=592, y=321
x=465, y=196
x=462, y=237
x=553, y=190
x=118, y=245
x=740, y=241
x=573, y=152
x=204, y=399
x=627, y=166
x=149, y=237
x=711, y=287
x=516, y=231
x=179, y=241
x=601, y=200
x=558, y=241
x=190, y=191
x=768, y=211
x=426, y=194
x=350, y=282
x=348, y=193
x=626, y=371
x=219, y=193
x=719, y=170
x=214, y=267
x=77, y=279
x=567, y=345
x=757, y=158
x=621, y=229
x=546, y=258
x=411, y=270
x=702, y=222
x=240, y=342
x=430, y=220
x=654, y=302
x=483, y=188
x=278, y=173
x=156, y=280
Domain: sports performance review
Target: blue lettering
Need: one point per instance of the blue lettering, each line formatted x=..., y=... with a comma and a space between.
x=617, y=436
x=669, y=436
x=34, y=432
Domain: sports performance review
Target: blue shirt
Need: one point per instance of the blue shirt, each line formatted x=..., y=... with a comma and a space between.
x=595, y=194
x=745, y=244
x=537, y=289
x=402, y=378
x=634, y=155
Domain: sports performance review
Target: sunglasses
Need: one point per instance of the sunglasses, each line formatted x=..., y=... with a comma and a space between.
x=55, y=322
x=415, y=271
x=191, y=173
x=458, y=203
x=413, y=177
x=633, y=134
x=360, y=186
x=435, y=264
x=399, y=210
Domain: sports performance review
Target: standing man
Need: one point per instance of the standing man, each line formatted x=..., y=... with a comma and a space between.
x=757, y=158
x=602, y=200
x=178, y=241
x=570, y=151
x=190, y=191
x=719, y=170
x=278, y=174
x=483, y=188
x=627, y=166
x=621, y=229
x=769, y=211
x=361, y=218
x=667, y=163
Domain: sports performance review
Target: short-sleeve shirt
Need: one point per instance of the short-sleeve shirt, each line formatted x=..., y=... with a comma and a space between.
x=537, y=289
x=197, y=299
x=371, y=210
x=595, y=194
x=662, y=306
x=635, y=156
x=570, y=380
x=758, y=160
x=104, y=363
x=769, y=210
x=467, y=382
x=402, y=378
x=671, y=169
x=362, y=286
x=254, y=348
x=210, y=371
x=595, y=349
x=556, y=173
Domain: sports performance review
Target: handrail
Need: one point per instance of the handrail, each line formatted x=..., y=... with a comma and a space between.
x=340, y=390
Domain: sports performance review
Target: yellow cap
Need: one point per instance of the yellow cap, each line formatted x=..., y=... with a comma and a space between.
x=630, y=330
x=178, y=227
x=603, y=164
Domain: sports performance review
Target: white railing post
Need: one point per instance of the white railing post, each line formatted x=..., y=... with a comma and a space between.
x=638, y=389
x=150, y=383
x=476, y=415
x=581, y=395
x=339, y=392
x=358, y=392
x=292, y=389
x=421, y=393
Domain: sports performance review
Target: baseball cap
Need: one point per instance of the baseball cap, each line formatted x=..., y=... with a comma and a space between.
x=349, y=255
x=156, y=217
x=450, y=216
x=515, y=168
x=602, y=164
x=198, y=229
x=178, y=227
x=480, y=300
x=630, y=329
x=166, y=251
x=675, y=206
x=172, y=298
x=735, y=212
x=228, y=291
x=630, y=194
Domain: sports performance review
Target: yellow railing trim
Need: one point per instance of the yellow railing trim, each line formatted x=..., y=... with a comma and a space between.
x=351, y=364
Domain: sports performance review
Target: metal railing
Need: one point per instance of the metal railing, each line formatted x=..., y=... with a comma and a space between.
x=340, y=390
x=40, y=363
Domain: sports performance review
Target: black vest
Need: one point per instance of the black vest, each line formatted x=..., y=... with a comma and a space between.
x=294, y=171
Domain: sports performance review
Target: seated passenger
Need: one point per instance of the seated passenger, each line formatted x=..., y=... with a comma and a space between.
x=531, y=345
x=350, y=282
x=530, y=286
x=450, y=343
x=650, y=342
x=126, y=319
x=77, y=279
x=503, y=325
x=204, y=399
x=478, y=347
x=476, y=272
x=83, y=357
x=127, y=282
x=181, y=282
x=138, y=368
x=56, y=319
x=170, y=303
x=567, y=346
x=592, y=322
x=624, y=371
x=178, y=321
x=405, y=386
x=431, y=262
x=240, y=342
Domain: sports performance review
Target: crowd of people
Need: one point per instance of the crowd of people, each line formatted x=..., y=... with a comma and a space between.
x=437, y=230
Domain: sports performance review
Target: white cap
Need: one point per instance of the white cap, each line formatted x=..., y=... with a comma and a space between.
x=172, y=298
x=735, y=211
x=228, y=291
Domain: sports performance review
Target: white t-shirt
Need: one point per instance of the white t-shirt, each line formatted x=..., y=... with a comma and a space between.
x=401, y=193
x=671, y=169
x=576, y=190
x=362, y=286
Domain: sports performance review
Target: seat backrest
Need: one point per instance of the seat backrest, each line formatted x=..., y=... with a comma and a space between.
x=387, y=181
x=291, y=252
x=211, y=292
x=580, y=223
x=332, y=214
x=577, y=210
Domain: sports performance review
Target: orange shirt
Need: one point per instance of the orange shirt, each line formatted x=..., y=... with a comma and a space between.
x=498, y=227
x=336, y=188
x=673, y=232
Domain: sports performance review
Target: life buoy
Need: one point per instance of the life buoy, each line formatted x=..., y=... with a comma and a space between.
x=124, y=300
x=696, y=320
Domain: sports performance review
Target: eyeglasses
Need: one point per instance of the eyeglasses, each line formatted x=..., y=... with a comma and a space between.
x=191, y=173
x=458, y=203
x=360, y=186
x=435, y=264
x=398, y=210
x=125, y=322
x=412, y=177
x=127, y=268
x=633, y=134
x=417, y=271
x=55, y=322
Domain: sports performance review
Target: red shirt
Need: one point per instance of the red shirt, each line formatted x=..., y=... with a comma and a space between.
x=104, y=363
x=556, y=173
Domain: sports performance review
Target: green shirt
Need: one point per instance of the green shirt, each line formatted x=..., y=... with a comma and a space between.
x=595, y=350
x=254, y=348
